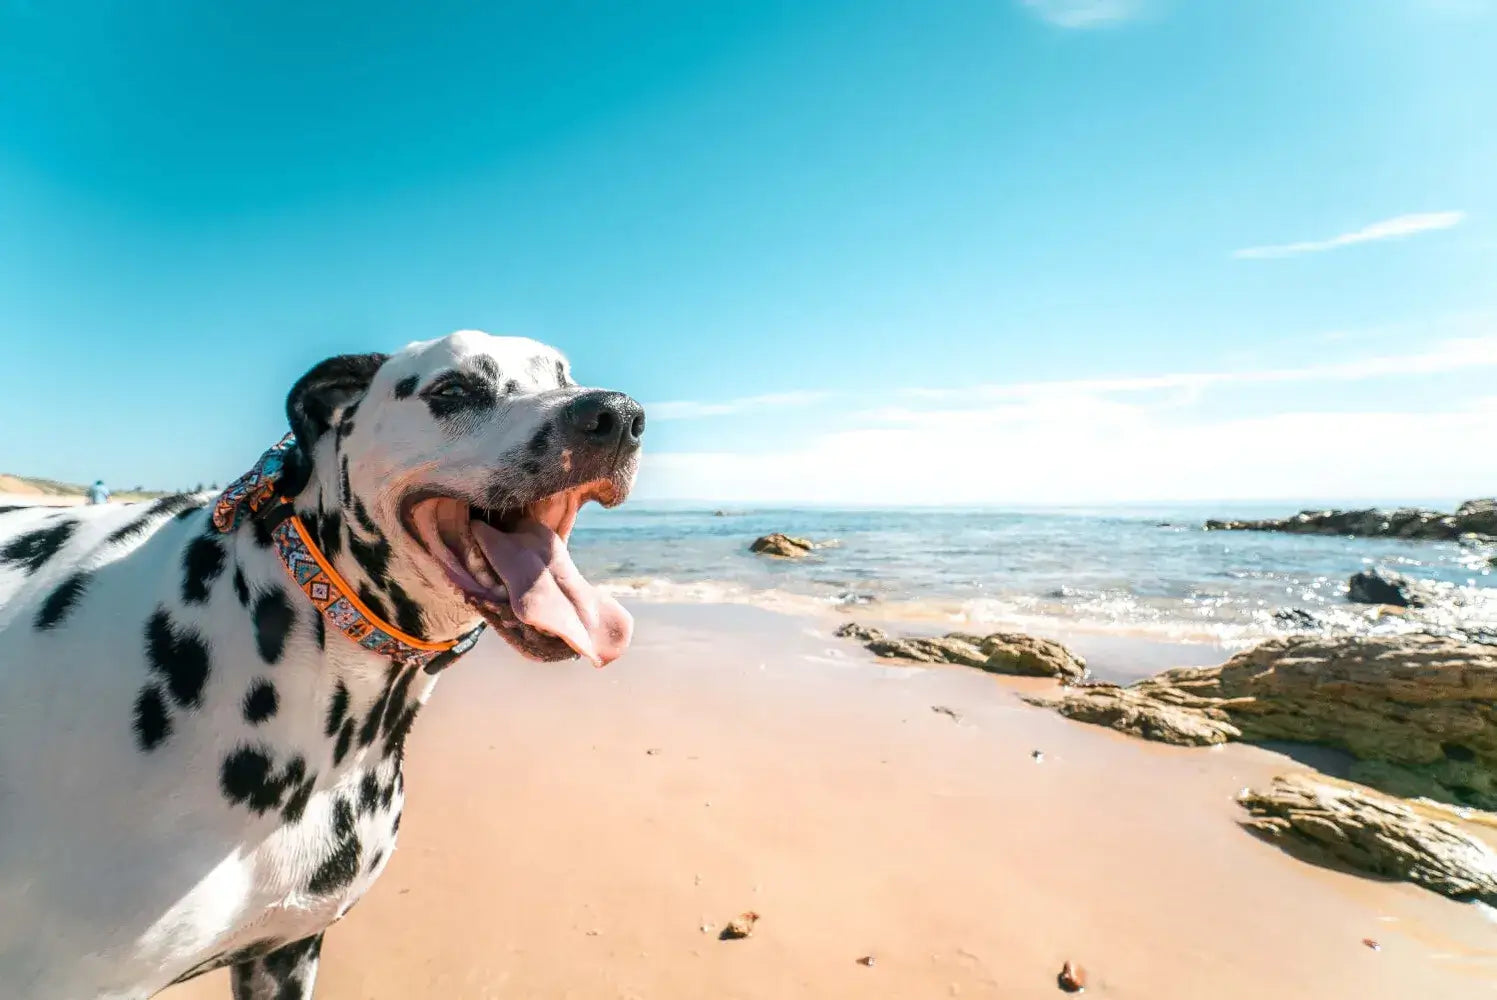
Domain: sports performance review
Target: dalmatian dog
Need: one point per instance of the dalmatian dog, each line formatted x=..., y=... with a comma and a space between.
x=200, y=766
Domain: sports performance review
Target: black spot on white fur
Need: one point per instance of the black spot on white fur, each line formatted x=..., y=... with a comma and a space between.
x=371, y=601
x=248, y=953
x=406, y=387
x=395, y=739
x=61, y=601
x=338, y=870
x=372, y=556
x=33, y=549
x=158, y=511
x=361, y=514
x=201, y=565
x=274, y=617
x=197, y=504
x=179, y=655
x=241, y=587
x=407, y=612
x=261, y=532
x=330, y=535
x=250, y=778
x=287, y=973
x=153, y=722
x=260, y=702
x=368, y=793
x=486, y=366
x=337, y=709
x=345, y=742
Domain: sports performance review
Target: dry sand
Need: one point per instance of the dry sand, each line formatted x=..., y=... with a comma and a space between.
x=580, y=834
x=24, y=499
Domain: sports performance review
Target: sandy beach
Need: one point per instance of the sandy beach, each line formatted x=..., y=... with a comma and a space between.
x=583, y=834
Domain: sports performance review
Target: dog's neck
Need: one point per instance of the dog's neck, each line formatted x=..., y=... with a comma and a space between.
x=343, y=527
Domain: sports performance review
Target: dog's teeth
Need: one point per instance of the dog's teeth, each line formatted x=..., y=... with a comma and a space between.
x=479, y=567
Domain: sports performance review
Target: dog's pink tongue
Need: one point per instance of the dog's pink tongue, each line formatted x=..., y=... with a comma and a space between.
x=548, y=592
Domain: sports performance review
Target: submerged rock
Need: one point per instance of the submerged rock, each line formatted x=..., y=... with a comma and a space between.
x=1296, y=618
x=1478, y=517
x=782, y=545
x=1423, y=707
x=1336, y=823
x=1012, y=653
x=1375, y=586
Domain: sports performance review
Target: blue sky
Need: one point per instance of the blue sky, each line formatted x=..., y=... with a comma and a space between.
x=997, y=250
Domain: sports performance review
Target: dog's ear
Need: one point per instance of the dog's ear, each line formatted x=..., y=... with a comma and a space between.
x=316, y=399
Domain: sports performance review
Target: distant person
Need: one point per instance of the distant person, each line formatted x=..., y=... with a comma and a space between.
x=98, y=492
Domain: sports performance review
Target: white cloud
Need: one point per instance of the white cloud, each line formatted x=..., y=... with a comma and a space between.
x=693, y=410
x=1103, y=440
x=1083, y=13
x=1102, y=454
x=1449, y=356
x=1388, y=229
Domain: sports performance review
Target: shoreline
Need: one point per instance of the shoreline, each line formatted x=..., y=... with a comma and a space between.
x=570, y=832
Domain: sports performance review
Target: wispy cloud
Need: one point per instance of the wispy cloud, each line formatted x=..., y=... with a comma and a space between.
x=1115, y=439
x=1101, y=456
x=1449, y=356
x=1083, y=13
x=692, y=409
x=1388, y=229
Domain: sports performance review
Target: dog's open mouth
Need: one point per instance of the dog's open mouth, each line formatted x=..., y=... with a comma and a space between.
x=513, y=567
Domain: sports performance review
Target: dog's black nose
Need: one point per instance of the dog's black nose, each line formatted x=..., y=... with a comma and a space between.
x=606, y=419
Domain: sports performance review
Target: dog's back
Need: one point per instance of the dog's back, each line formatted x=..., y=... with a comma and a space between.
x=77, y=587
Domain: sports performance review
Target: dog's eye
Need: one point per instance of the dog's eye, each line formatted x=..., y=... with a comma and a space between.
x=452, y=390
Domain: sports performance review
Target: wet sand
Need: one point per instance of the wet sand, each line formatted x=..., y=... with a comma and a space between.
x=571, y=833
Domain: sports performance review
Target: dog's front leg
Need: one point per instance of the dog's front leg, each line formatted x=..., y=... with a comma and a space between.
x=285, y=974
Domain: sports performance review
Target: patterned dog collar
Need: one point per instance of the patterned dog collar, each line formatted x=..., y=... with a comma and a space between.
x=254, y=495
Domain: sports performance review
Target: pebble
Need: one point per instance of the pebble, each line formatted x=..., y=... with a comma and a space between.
x=740, y=926
x=1072, y=978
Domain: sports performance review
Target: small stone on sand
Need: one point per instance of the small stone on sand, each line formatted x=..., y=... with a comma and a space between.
x=1072, y=978
x=740, y=926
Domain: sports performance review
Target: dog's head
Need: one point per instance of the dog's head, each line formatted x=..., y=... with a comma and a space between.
x=454, y=470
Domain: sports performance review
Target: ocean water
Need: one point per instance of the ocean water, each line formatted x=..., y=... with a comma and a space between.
x=1142, y=571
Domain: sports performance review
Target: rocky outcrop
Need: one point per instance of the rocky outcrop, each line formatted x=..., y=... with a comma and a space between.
x=1420, y=711
x=1478, y=517
x=1375, y=586
x=1338, y=824
x=1152, y=714
x=1011, y=653
x=1474, y=517
x=783, y=546
x=862, y=633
